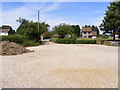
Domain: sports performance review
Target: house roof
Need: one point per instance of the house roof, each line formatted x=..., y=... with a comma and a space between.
x=43, y=34
x=56, y=35
x=84, y=29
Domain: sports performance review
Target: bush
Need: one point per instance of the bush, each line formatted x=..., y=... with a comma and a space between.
x=86, y=41
x=20, y=39
x=30, y=43
x=101, y=41
x=74, y=41
x=53, y=39
x=66, y=41
x=13, y=38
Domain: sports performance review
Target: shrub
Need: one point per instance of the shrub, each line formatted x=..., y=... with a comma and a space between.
x=13, y=38
x=30, y=43
x=53, y=39
x=74, y=41
x=20, y=39
x=86, y=41
x=66, y=41
x=101, y=41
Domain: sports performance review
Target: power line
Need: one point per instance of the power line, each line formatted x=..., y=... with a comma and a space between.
x=26, y=6
x=32, y=10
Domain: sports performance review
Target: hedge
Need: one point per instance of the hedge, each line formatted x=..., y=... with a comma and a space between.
x=13, y=38
x=74, y=41
x=65, y=41
x=20, y=39
x=30, y=43
x=85, y=41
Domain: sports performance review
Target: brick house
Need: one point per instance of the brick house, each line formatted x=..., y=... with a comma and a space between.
x=88, y=33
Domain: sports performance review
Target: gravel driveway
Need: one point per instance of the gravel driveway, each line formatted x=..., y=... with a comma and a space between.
x=62, y=66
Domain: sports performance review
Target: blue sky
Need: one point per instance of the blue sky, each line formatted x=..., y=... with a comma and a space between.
x=53, y=13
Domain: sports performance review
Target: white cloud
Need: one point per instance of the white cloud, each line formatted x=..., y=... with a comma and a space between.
x=54, y=6
x=9, y=16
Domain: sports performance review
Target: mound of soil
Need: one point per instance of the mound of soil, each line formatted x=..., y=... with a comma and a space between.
x=11, y=48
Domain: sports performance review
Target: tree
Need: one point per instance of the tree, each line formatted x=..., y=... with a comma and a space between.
x=63, y=29
x=111, y=22
x=30, y=29
x=76, y=30
x=95, y=28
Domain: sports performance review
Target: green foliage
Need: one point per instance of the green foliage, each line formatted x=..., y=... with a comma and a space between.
x=30, y=43
x=76, y=30
x=74, y=41
x=13, y=38
x=30, y=29
x=20, y=39
x=101, y=41
x=11, y=32
x=111, y=20
x=53, y=39
x=63, y=29
x=47, y=35
x=66, y=41
x=86, y=41
x=95, y=28
x=103, y=36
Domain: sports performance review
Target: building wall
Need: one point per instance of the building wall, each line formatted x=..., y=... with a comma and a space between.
x=86, y=35
x=2, y=33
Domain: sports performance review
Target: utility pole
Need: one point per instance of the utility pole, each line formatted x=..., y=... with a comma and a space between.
x=38, y=25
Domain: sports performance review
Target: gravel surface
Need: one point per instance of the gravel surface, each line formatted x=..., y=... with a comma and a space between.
x=62, y=66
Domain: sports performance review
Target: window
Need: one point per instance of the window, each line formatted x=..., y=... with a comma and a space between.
x=88, y=32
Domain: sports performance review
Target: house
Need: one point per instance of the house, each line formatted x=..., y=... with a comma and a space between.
x=4, y=31
x=68, y=36
x=88, y=33
x=41, y=36
x=56, y=35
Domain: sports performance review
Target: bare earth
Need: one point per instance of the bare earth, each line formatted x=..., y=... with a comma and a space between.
x=62, y=66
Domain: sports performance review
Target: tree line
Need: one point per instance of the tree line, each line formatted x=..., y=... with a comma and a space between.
x=110, y=24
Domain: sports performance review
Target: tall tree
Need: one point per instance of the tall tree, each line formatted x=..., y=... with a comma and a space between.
x=111, y=22
x=63, y=29
x=76, y=30
x=30, y=29
x=95, y=28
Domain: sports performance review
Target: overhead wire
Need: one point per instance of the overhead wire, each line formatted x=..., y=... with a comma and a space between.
x=26, y=6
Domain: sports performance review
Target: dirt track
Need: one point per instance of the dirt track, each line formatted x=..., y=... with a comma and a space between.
x=62, y=66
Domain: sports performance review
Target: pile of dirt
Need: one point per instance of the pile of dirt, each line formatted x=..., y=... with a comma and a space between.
x=11, y=48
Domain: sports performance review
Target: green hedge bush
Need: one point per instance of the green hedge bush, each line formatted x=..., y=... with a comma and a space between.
x=85, y=41
x=102, y=41
x=30, y=43
x=13, y=38
x=20, y=39
x=74, y=41
x=66, y=41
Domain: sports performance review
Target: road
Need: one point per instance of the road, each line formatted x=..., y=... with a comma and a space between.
x=62, y=66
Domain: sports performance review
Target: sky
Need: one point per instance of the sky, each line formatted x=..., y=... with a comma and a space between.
x=54, y=13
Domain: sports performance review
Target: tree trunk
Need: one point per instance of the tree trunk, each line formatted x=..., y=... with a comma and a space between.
x=113, y=36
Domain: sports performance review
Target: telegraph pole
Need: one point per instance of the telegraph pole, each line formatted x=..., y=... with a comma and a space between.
x=38, y=25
